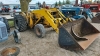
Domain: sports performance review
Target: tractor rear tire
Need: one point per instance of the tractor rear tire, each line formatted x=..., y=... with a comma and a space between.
x=39, y=30
x=6, y=23
x=20, y=23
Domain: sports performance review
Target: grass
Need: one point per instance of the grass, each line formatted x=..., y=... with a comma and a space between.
x=11, y=23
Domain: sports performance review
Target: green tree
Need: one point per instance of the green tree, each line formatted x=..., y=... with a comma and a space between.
x=43, y=4
x=60, y=3
x=1, y=4
x=38, y=4
x=81, y=2
x=67, y=1
x=85, y=2
x=56, y=4
x=63, y=2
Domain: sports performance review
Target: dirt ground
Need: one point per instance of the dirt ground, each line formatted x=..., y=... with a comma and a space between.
x=48, y=46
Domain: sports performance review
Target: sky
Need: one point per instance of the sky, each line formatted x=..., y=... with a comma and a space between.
x=33, y=1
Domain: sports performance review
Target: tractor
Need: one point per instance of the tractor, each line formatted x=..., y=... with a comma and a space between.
x=5, y=31
x=79, y=12
x=75, y=12
x=73, y=35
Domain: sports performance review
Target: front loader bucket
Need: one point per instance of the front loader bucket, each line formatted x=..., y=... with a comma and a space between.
x=96, y=19
x=77, y=35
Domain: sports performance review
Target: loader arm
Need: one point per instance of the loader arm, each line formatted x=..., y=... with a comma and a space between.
x=47, y=17
x=54, y=22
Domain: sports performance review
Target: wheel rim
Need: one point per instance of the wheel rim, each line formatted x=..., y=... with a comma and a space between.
x=38, y=31
x=8, y=51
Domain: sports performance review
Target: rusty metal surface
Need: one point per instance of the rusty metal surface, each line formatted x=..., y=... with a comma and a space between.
x=72, y=33
x=81, y=27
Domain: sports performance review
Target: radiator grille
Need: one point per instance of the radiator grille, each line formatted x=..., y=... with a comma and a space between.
x=3, y=31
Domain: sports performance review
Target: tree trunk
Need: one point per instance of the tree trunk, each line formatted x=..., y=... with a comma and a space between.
x=24, y=5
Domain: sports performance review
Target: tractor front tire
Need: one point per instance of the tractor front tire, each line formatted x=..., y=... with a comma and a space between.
x=39, y=30
x=20, y=23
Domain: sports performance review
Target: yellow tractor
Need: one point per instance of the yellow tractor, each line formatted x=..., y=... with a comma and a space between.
x=76, y=35
x=39, y=19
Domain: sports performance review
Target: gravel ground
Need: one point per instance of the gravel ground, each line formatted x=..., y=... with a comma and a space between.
x=33, y=46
